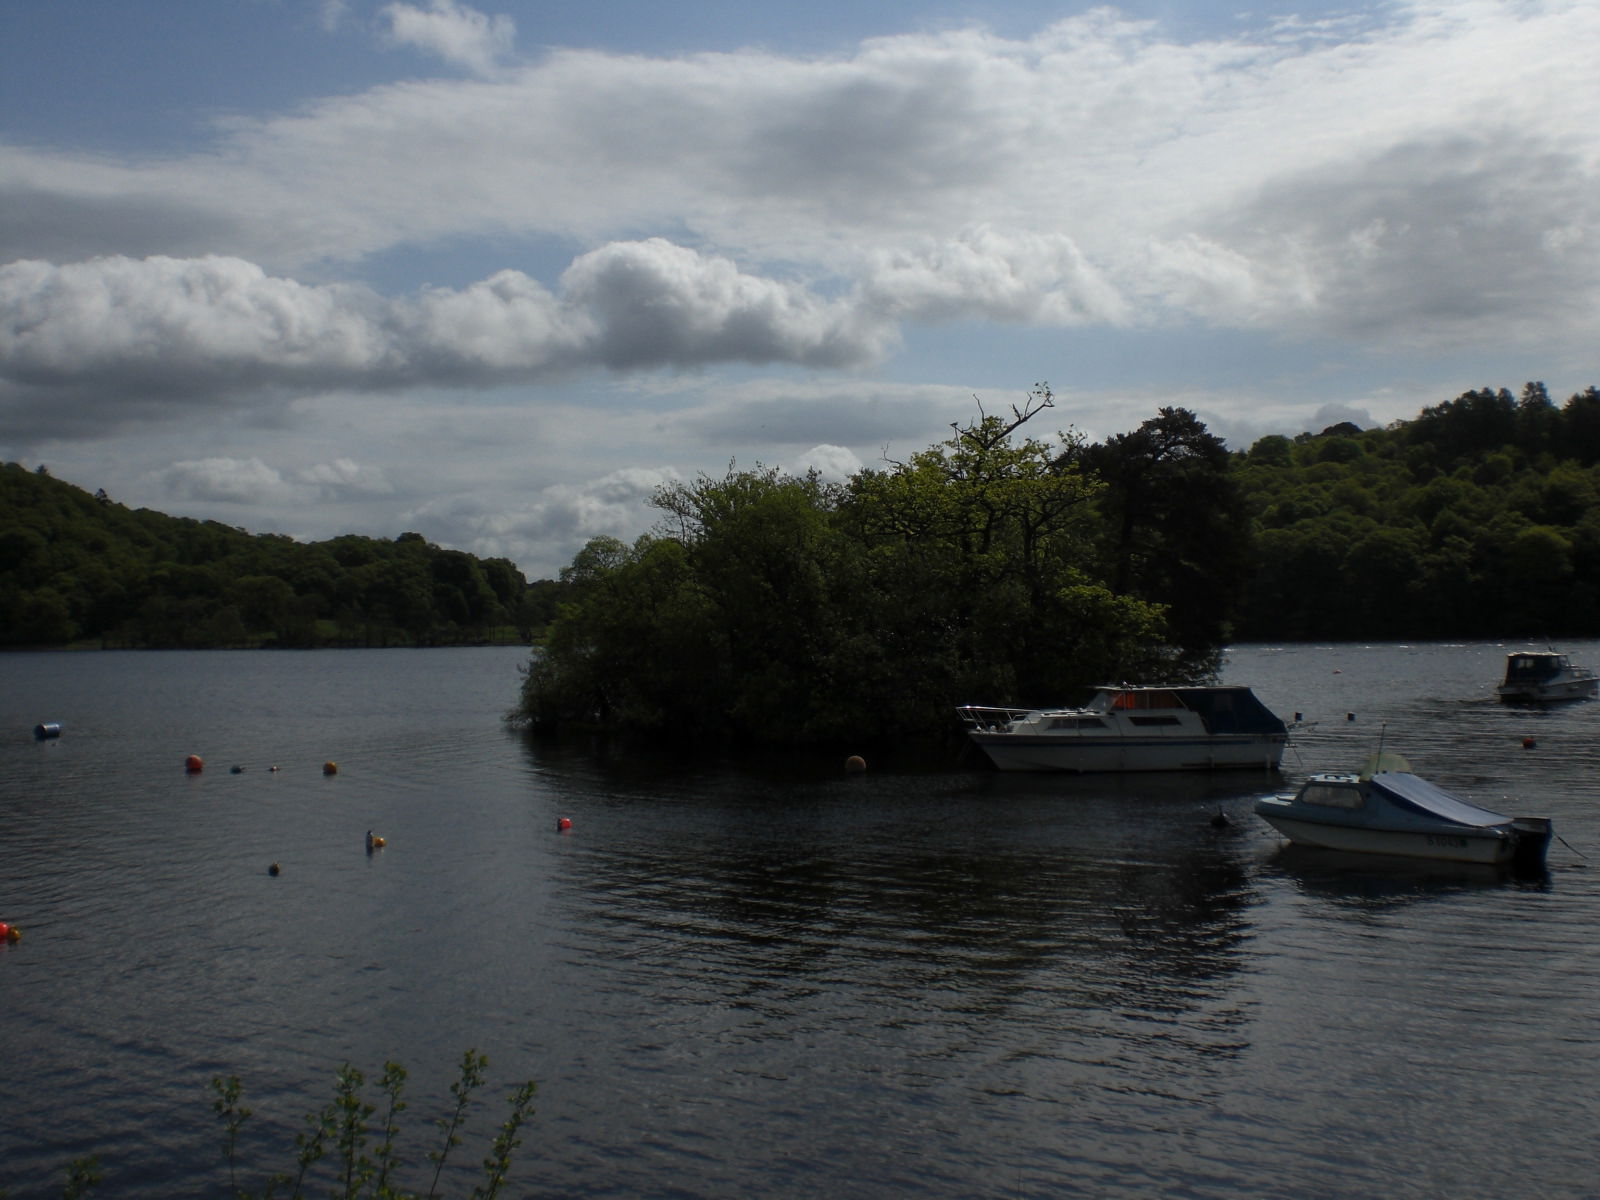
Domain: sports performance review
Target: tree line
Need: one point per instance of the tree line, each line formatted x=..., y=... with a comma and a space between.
x=77, y=568
x=995, y=567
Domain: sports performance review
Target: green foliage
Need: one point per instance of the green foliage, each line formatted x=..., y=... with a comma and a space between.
x=770, y=608
x=342, y=1130
x=1175, y=531
x=82, y=568
x=1477, y=519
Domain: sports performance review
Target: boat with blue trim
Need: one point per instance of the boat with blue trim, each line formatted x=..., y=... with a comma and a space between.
x=1134, y=727
x=1386, y=809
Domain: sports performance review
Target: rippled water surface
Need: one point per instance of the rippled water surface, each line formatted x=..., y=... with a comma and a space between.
x=779, y=979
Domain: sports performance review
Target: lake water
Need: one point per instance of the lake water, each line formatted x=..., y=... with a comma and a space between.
x=781, y=980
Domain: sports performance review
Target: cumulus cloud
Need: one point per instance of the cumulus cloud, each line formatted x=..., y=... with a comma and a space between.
x=833, y=463
x=1097, y=172
x=344, y=477
x=204, y=331
x=986, y=274
x=224, y=481
x=543, y=533
x=657, y=304
x=458, y=34
x=250, y=481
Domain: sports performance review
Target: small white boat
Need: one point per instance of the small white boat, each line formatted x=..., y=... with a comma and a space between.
x=1392, y=811
x=1134, y=728
x=1544, y=676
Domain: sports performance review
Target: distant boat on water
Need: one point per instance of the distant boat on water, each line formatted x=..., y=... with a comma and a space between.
x=1545, y=676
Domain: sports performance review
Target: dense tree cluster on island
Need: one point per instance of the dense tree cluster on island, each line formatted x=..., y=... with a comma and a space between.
x=992, y=566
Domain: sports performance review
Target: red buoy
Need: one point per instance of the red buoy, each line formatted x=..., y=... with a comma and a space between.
x=564, y=824
x=194, y=764
x=1528, y=743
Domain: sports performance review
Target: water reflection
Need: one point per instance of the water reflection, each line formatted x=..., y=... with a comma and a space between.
x=1377, y=880
x=1056, y=912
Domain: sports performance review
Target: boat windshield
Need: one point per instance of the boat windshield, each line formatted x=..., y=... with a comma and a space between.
x=1134, y=699
x=1522, y=668
x=1332, y=795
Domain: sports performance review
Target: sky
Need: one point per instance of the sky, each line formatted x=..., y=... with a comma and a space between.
x=494, y=272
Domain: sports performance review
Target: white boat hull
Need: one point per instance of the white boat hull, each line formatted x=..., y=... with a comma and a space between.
x=1017, y=752
x=1489, y=848
x=1572, y=689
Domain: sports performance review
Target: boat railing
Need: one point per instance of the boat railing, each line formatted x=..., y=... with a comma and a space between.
x=980, y=716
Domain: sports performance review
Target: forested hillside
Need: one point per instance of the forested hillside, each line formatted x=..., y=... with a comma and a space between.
x=1479, y=518
x=81, y=568
x=985, y=562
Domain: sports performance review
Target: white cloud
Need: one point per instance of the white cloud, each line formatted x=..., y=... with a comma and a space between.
x=544, y=532
x=458, y=34
x=1097, y=172
x=986, y=274
x=344, y=477
x=176, y=333
x=224, y=481
x=250, y=481
x=833, y=463
x=657, y=304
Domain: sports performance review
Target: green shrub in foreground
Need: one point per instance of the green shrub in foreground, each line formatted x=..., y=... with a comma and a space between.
x=340, y=1133
x=342, y=1129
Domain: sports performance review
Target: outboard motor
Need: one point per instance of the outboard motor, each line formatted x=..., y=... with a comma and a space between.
x=1533, y=836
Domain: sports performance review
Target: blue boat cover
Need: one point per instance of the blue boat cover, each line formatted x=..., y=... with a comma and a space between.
x=1230, y=709
x=1415, y=794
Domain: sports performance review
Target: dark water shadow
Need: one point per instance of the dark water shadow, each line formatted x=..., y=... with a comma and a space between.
x=1350, y=877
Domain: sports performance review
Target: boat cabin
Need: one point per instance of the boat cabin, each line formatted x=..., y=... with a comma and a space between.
x=1535, y=667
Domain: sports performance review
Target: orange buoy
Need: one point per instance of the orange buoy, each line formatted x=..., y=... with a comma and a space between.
x=194, y=764
x=564, y=824
x=330, y=768
x=13, y=934
x=855, y=763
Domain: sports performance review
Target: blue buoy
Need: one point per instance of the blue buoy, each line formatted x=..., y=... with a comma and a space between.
x=50, y=729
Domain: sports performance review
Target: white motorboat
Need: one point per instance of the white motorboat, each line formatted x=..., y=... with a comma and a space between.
x=1392, y=811
x=1544, y=676
x=1134, y=728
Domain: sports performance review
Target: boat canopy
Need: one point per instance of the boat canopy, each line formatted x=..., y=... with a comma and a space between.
x=1414, y=794
x=1231, y=710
